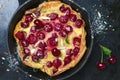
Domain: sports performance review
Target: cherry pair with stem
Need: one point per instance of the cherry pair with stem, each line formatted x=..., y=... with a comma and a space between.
x=111, y=60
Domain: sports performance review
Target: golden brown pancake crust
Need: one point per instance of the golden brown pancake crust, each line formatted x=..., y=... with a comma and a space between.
x=46, y=8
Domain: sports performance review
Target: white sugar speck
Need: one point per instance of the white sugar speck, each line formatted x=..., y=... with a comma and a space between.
x=3, y=58
x=30, y=75
x=7, y=70
x=110, y=26
x=113, y=29
x=99, y=14
x=17, y=71
x=107, y=16
x=71, y=0
x=106, y=28
x=105, y=22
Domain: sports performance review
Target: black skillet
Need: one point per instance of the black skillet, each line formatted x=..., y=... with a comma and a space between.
x=38, y=74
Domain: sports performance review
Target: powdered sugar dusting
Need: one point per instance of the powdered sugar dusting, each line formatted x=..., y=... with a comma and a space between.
x=100, y=23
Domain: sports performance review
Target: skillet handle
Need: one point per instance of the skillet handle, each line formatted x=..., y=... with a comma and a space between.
x=21, y=2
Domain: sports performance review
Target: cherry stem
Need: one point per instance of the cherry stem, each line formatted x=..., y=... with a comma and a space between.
x=101, y=56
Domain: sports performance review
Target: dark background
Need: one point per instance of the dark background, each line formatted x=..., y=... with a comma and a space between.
x=105, y=18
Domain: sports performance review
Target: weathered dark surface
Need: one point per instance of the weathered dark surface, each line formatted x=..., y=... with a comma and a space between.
x=105, y=17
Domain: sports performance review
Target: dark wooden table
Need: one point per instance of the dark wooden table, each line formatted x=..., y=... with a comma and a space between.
x=105, y=18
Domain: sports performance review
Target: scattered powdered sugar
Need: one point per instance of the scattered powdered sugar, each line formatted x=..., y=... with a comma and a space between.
x=100, y=24
x=13, y=62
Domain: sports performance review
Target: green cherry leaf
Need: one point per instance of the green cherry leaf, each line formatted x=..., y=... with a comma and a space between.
x=67, y=40
x=105, y=50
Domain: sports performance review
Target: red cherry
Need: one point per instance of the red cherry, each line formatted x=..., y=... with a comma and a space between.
x=40, y=54
x=42, y=45
x=37, y=13
x=54, y=35
x=38, y=23
x=27, y=51
x=56, y=52
x=68, y=29
x=57, y=63
x=78, y=23
x=63, y=33
x=49, y=64
x=76, y=51
x=101, y=66
x=73, y=17
x=48, y=27
x=35, y=58
x=58, y=27
x=25, y=24
x=38, y=27
x=52, y=41
x=68, y=11
x=32, y=39
x=53, y=16
x=40, y=35
x=33, y=29
x=24, y=43
x=62, y=8
x=67, y=60
x=69, y=52
x=20, y=35
x=28, y=18
x=63, y=19
x=76, y=41
x=112, y=60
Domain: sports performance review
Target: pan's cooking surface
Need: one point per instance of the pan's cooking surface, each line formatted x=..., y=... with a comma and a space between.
x=105, y=17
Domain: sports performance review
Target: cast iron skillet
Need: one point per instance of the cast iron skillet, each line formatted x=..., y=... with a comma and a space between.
x=38, y=74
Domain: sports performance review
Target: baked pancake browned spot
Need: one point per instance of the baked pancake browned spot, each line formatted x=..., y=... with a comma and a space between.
x=51, y=37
